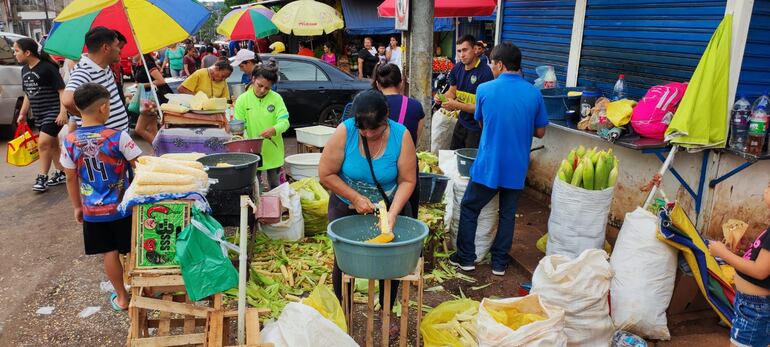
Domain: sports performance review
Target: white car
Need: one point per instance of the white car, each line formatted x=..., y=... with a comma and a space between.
x=11, y=94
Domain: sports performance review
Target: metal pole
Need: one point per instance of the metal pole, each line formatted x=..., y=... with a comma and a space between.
x=141, y=55
x=242, y=265
x=420, y=60
x=45, y=24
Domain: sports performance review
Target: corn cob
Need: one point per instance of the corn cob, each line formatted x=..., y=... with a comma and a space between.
x=581, y=151
x=146, y=177
x=562, y=176
x=571, y=158
x=609, y=159
x=588, y=174
x=577, y=177
x=183, y=156
x=146, y=160
x=613, y=178
x=566, y=167
x=602, y=173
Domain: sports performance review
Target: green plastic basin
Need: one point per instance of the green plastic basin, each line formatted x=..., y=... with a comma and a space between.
x=360, y=259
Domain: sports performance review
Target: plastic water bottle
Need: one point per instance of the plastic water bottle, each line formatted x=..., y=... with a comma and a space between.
x=619, y=91
x=625, y=339
x=739, y=123
x=755, y=140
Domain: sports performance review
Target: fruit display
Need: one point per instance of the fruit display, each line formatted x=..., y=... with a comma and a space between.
x=442, y=65
x=589, y=169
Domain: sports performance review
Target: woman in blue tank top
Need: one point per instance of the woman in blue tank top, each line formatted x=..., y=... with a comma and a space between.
x=344, y=169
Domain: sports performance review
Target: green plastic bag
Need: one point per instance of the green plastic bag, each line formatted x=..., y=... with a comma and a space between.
x=434, y=337
x=325, y=302
x=134, y=105
x=202, y=255
x=315, y=204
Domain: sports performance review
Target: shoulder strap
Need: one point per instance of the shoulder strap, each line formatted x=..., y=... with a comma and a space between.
x=371, y=168
x=402, y=113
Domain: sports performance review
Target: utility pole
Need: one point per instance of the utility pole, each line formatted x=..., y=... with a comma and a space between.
x=45, y=24
x=420, y=54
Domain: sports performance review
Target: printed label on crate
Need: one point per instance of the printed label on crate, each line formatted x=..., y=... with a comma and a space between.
x=158, y=226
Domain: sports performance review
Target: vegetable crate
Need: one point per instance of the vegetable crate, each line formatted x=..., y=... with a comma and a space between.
x=153, y=236
x=159, y=302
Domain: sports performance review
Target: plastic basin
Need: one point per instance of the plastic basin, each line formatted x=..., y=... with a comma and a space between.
x=237, y=126
x=391, y=260
x=245, y=146
x=556, y=101
x=465, y=159
x=303, y=165
x=240, y=171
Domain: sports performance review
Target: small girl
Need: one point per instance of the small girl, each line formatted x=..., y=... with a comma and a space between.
x=751, y=321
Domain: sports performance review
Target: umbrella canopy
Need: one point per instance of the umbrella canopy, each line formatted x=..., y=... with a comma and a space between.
x=307, y=18
x=155, y=23
x=248, y=23
x=447, y=8
x=701, y=119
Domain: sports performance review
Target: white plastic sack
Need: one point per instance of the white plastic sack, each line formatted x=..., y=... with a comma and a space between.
x=580, y=287
x=302, y=326
x=488, y=218
x=441, y=131
x=645, y=271
x=292, y=228
x=544, y=333
x=578, y=219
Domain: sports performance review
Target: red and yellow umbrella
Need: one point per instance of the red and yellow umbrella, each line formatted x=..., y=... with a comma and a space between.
x=248, y=23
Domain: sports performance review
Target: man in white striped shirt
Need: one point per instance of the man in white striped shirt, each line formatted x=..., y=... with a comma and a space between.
x=103, y=49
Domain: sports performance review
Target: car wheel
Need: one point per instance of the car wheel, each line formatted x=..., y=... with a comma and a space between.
x=331, y=115
x=7, y=131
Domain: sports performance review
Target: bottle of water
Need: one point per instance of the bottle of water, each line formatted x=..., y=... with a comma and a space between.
x=619, y=91
x=739, y=123
x=755, y=140
x=626, y=339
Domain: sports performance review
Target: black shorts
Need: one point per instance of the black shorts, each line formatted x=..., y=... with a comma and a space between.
x=103, y=237
x=51, y=129
x=463, y=137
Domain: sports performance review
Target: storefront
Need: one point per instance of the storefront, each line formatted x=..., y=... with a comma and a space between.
x=651, y=42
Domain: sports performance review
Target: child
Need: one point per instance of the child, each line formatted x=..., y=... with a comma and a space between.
x=266, y=116
x=381, y=50
x=96, y=161
x=751, y=322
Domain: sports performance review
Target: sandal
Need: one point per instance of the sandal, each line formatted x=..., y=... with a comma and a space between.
x=114, y=303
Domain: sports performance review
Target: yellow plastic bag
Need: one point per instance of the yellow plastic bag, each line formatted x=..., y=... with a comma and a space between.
x=542, y=243
x=443, y=313
x=315, y=204
x=22, y=150
x=323, y=300
x=619, y=112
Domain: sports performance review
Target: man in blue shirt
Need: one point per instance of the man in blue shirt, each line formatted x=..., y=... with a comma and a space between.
x=461, y=96
x=511, y=111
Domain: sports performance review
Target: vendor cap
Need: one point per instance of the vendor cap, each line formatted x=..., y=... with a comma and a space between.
x=242, y=56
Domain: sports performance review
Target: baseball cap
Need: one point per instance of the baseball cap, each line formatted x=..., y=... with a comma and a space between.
x=277, y=47
x=241, y=56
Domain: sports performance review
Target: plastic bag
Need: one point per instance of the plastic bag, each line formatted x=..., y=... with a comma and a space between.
x=202, y=256
x=578, y=219
x=546, y=330
x=315, y=204
x=323, y=300
x=645, y=272
x=442, y=128
x=293, y=227
x=302, y=326
x=443, y=313
x=489, y=217
x=134, y=106
x=546, y=77
x=22, y=150
x=619, y=112
x=587, y=319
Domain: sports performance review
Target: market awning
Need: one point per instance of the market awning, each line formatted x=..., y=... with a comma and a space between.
x=447, y=8
x=361, y=19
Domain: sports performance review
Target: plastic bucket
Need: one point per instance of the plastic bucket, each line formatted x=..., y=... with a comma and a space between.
x=391, y=260
x=245, y=146
x=237, y=126
x=432, y=187
x=465, y=159
x=426, y=187
x=303, y=165
x=240, y=173
x=556, y=101
x=439, y=187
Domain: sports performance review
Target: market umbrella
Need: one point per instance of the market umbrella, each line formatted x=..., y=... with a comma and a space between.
x=446, y=8
x=307, y=18
x=701, y=119
x=148, y=25
x=248, y=23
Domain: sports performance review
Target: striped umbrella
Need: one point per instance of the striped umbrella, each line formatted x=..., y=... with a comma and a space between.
x=248, y=23
x=148, y=25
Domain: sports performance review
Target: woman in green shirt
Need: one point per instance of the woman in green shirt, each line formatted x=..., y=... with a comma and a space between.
x=174, y=56
x=266, y=116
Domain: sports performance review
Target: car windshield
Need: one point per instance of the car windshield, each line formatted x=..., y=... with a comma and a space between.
x=6, y=50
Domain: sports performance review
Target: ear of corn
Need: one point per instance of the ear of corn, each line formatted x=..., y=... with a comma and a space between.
x=577, y=177
x=601, y=174
x=590, y=169
x=566, y=167
x=613, y=178
x=562, y=176
x=588, y=174
x=571, y=158
x=581, y=151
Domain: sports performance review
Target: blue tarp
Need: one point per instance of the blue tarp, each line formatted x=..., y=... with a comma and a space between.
x=361, y=19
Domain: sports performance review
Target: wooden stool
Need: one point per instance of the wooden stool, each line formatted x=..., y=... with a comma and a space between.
x=305, y=148
x=415, y=278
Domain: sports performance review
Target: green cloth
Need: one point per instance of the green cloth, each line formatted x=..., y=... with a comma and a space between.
x=702, y=117
x=175, y=58
x=261, y=114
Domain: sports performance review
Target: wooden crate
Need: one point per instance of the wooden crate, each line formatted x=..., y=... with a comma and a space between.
x=143, y=221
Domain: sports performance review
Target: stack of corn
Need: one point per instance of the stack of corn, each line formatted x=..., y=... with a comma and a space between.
x=591, y=169
x=170, y=173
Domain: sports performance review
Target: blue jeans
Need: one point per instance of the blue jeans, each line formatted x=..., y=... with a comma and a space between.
x=476, y=197
x=751, y=322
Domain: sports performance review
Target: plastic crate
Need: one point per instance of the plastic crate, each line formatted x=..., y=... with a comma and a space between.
x=315, y=135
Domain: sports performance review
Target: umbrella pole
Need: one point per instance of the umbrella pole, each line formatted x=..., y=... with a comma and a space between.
x=663, y=169
x=141, y=55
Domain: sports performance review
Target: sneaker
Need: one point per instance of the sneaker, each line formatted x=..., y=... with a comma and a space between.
x=40, y=183
x=453, y=260
x=57, y=178
x=498, y=272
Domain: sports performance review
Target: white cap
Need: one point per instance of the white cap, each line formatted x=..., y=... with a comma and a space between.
x=241, y=56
